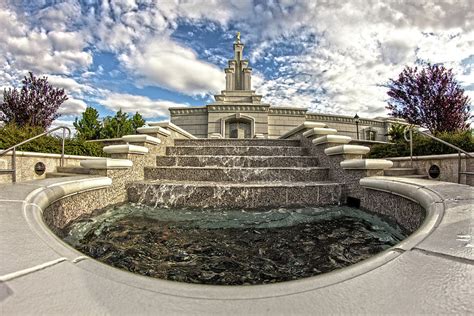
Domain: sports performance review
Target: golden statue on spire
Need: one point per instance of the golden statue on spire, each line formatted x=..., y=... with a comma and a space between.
x=237, y=38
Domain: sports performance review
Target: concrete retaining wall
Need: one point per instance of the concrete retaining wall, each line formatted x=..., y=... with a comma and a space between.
x=448, y=165
x=25, y=164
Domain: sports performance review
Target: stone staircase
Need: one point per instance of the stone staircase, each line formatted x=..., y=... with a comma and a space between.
x=251, y=173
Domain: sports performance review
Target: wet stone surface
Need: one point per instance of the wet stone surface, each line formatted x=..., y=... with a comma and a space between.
x=231, y=247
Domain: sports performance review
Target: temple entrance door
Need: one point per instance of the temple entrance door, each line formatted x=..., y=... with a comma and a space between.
x=238, y=129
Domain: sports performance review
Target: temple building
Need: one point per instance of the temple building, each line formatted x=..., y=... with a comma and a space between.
x=238, y=112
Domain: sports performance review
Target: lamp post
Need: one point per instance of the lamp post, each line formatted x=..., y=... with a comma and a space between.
x=356, y=120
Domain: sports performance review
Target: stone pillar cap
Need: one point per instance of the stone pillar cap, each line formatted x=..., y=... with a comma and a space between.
x=153, y=130
x=319, y=131
x=347, y=149
x=334, y=139
x=106, y=163
x=366, y=164
x=141, y=139
x=125, y=149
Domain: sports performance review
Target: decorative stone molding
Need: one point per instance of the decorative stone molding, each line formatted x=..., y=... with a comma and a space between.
x=107, y=163
x=238, y=108
x=347, y=149
x=125, y=149
x=365, y=164
x=287, y=111
x=193, y=110
x=343, y=119
x=141, y=139
x=332, y=139
x=259, y=136
x=319, y=131
x=153, y=130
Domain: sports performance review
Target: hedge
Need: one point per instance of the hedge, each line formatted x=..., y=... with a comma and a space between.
x=11, y=135
x=423, y=146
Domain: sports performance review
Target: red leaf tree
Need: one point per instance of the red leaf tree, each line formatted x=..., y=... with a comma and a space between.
x=429, y=97
x=36, y=104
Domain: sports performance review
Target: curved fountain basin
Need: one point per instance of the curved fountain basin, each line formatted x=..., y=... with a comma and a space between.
x=389, y=280
x=231, y=247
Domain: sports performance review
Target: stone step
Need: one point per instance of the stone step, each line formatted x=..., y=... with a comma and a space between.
x=417, y=176
x=236, y=174
x=234, y=195
x=59, y=174
x=214, y=142
x=236, y=151
x=398, y=172
x=237, y=161
x=73, y=169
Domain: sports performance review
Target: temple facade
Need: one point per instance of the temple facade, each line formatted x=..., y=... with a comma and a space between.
x=238, y=112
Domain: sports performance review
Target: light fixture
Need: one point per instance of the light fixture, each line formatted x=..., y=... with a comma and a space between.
x=356, y=120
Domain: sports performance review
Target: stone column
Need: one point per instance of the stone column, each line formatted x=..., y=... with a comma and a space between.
x=229, y=79
x=247, y=79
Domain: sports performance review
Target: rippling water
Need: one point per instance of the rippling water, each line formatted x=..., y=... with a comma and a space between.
x=232, y=246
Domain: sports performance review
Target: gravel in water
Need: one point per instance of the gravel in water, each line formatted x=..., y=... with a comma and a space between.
x=232, y=247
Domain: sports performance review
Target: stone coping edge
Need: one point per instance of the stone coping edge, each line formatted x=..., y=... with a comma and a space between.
x=173, y=127
x=444, y=156
x=301, y=127
x=48, y=155
x=47, y=195
x=44, y=196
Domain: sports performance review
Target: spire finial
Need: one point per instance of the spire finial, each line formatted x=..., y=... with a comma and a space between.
x=237, y=38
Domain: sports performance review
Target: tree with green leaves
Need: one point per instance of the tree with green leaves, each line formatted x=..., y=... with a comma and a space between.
x=35, y=104
x=397, y=131
x=89, y=126
x=117, y=126
x=137, y=121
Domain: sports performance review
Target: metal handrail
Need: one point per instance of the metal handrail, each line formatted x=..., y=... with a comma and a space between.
x=459, y=150
x=13, y=148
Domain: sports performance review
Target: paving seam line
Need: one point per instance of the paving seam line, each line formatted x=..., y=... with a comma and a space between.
x=17, y=274
x=445, y=256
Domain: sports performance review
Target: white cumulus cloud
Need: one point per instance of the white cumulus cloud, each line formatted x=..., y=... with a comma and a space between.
x=167, y=64
x=130, y=103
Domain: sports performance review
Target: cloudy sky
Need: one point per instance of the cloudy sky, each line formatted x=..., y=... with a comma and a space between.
x=148, y=56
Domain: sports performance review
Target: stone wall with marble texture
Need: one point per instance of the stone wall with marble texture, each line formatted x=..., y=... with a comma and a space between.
x=404, y=212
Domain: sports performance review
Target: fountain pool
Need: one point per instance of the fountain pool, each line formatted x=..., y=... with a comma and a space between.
x=232, y=247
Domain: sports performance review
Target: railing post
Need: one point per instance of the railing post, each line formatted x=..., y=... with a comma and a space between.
x=61, y=163
x=14, y=165
x=411, y=148
x=459, y=166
